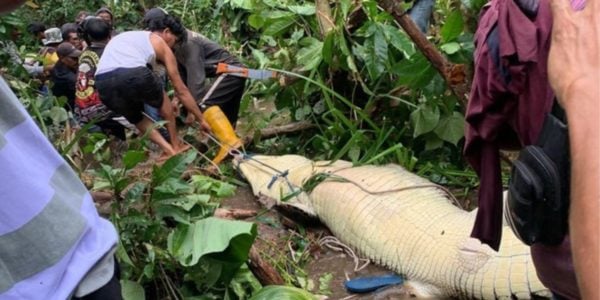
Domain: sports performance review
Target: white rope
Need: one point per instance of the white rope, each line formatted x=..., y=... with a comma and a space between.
x=333, y=243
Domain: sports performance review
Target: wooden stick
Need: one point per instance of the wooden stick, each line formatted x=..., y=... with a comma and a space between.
x=453, y=74
x=283, y=129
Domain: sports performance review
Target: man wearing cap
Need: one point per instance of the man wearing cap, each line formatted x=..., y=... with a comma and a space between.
x=64, y=74
x=105, y=14
x=52, y=37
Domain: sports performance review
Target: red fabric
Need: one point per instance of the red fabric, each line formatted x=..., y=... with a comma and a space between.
x=510, y=97
x=554, y=266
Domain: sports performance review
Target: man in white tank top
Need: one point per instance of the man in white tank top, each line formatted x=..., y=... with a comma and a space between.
x=125, y=82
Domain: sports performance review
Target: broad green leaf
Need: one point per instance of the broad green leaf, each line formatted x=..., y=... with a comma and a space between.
x=170, y=188
x=172, y=168
x=256, y=21
x=424, y=119
x=432, y=142
x=186, y=202
x=345, y=6
x=260, y=57
x=450, y=48
x=225, y=240
x=131, y=290
x=281, y=292
x=132, y=158
x=415, y=72
x=224, y=189
x=310, y=55
x=302, y=113
x=354, y=153
x=451, y=128
x=453, y=27
x=399, y=40
x=271, y=15
x=245, y=4
x=376, y=54
x=57, y=114
x=136, y=192
x=305, y=10
x=278, y=26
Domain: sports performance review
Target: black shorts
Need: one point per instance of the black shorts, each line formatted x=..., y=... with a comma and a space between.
x=125, y=90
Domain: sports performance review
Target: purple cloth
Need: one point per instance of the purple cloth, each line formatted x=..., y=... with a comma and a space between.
x=554, y=266
x=509, y=99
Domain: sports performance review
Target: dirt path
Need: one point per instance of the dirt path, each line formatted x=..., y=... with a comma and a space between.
x=295, y=251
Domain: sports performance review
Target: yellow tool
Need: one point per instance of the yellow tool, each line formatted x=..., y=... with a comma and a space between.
x=214, y=116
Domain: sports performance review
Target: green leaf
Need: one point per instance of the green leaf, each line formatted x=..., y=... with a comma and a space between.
x=136, y=192
x=450, y=48
x=399, y=40
x=245, y=4
x=132, y=158
x=453, y=27
x=376, y=56
x=415, y=72
x=281, y=292
x=224, y=240
x=432, y=142
x=131, y=290
x=328, y=46
x=310, y=55
x=451, y=128
x=256, y=21
x=305, y=10
x=172, y=168
x=278, y=26
x=424, y=119
x=225, y=189
x=260, y=57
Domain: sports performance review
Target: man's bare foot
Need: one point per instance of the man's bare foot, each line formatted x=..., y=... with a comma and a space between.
x=182, y=148
x=163, y=157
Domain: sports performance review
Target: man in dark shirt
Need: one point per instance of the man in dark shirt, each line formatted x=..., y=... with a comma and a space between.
x=64, y=73
x=197, y=59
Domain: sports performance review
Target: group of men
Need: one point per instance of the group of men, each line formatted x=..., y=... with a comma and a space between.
x=120, y=79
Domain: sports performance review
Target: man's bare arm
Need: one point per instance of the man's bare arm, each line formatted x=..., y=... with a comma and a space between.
x=165, y=54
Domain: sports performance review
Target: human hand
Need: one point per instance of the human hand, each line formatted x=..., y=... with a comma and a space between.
x=574, y=59
x=204, y=125
x=175, y=104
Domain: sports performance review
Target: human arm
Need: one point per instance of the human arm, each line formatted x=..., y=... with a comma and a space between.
x=574, y=73
x=164, y=54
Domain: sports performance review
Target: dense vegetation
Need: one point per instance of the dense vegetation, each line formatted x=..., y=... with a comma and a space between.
x=372, y=96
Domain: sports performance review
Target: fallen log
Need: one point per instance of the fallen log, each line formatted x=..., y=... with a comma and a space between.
x=270, y=132
x=264, y=271
x=234, y=214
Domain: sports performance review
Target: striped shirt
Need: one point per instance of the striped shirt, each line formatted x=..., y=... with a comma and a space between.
x=51, y=237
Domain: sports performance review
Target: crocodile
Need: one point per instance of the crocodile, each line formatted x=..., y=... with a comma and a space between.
x=401, y=221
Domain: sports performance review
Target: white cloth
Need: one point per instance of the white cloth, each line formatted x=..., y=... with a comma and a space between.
x=130, y=49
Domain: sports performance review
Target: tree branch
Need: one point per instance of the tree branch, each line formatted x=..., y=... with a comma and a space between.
x=284, y=129
x=453, y=74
